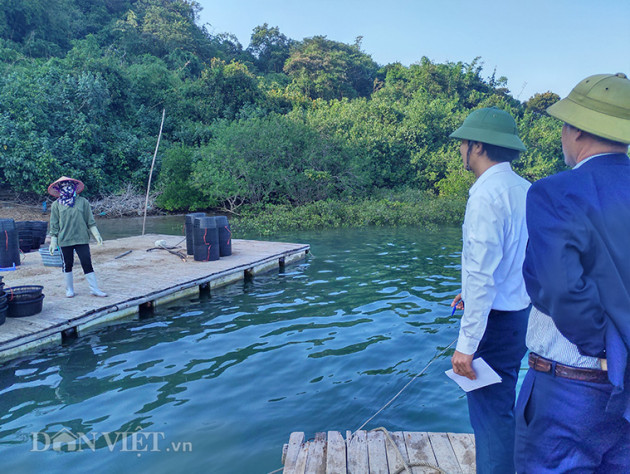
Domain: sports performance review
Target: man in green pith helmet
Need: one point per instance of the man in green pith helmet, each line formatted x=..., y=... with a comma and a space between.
x=573, y=410
x=493, y=297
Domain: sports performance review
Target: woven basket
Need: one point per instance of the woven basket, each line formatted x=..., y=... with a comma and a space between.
x=50, y=260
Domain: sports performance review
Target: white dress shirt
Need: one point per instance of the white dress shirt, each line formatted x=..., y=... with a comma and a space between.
x=494, y=242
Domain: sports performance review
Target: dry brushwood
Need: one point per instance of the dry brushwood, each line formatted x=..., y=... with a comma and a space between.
x=128, y=203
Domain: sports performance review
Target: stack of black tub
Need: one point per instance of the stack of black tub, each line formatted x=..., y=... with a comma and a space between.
x=206, y=239
x=225, y=236
x=31, y=234
x=4, y=306
x=211, y=238
x=190, y=223
x=9, y=244
x=24, y=301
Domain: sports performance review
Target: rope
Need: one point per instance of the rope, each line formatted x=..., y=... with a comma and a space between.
x=402, y=389
x=406, y=466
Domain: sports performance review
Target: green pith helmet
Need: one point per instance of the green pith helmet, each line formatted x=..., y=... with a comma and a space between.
x=599, y=105
x=490, y=125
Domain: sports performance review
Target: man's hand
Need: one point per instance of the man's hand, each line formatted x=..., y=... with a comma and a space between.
x=458, y=301
x=462, y=365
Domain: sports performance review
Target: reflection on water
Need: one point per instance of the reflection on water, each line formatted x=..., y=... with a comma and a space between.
x=321, y=346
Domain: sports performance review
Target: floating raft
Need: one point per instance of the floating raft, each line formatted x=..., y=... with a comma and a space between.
x=378, y=452
x=135, y=282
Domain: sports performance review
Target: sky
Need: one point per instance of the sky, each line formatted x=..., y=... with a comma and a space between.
x=539, y=45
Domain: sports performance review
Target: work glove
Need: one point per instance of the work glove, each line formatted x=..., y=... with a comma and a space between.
x=97, y=235
x=53, y=245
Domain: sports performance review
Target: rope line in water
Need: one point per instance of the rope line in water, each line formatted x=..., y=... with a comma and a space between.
x=402, y=389
x=405, y=467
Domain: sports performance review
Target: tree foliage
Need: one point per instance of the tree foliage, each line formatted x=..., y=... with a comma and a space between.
x=326, y=69
x=281, y=122
x=539, y=102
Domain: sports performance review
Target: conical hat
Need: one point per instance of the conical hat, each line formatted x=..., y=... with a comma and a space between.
x=53, y=191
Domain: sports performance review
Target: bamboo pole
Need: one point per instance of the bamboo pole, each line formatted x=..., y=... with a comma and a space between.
x=146, y=201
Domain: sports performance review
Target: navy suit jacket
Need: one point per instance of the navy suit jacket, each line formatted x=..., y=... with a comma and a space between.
x=577, y=264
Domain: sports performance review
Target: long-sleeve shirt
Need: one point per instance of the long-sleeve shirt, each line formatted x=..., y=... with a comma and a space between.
x=71, y=224
x=576, y=268
x=494, y=241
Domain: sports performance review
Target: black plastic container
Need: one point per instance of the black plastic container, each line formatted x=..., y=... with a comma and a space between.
x=188, y=229
x=3, y=313
x=7, y=224
x=21, y=309
x=23, y=293
x=39, y=230
x=206, y=239
x=26, y=240
x=225, y=236
x=9, y=244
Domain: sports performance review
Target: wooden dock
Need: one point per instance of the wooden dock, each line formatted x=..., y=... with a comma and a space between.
x=136, y=282
x=379, y=452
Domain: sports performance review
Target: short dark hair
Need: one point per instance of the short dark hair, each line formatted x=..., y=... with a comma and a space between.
x=500, y=154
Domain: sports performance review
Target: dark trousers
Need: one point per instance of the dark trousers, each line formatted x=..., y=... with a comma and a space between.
x=562, y=426
x=83, y=251
x=491, y=408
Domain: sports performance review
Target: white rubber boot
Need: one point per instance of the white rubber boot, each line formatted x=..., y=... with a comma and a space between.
x=69, y=285
x=91, y=279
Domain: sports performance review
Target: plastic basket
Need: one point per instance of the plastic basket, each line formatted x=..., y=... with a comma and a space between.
x=48, y=260
x=21, y=309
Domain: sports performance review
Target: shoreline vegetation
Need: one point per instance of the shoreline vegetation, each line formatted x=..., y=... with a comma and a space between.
x=409, y=208
x=284, y=134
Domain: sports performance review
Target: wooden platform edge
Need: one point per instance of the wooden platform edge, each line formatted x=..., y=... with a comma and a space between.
x=373, y=452
x=22, y=344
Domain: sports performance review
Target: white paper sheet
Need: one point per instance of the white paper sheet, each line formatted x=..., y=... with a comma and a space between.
x=485, y=376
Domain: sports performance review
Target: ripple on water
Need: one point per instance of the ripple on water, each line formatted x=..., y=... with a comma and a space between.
x=319, y=346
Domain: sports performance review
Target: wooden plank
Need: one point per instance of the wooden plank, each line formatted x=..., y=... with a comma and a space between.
x=377, y=452
x=316, y=462
x=357, y=453
x=419, y=451
x=336, y=453
x=295, y=443
x=444, y=453
x=300, y=463
x=395, y=451
x=464, y=451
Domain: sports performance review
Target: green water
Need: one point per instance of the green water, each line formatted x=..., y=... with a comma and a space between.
x=218, y=384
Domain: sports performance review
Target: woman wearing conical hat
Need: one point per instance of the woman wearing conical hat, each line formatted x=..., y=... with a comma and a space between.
x=71, y=222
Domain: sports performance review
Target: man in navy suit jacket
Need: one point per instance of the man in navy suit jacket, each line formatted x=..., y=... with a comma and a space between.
x=573, y=411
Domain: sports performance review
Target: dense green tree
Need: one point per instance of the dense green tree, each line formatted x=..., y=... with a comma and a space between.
x=326, y=69
x=270, y=47
x=273, y=160
x=539, y=102
x=283, y=122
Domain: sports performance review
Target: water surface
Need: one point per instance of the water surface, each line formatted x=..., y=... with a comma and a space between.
x=321, y=346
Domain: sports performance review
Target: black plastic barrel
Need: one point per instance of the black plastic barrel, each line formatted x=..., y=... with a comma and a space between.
x=9, y=244
x=206, y=239
x=188, y=229
x=38, y=229
x=25, y=235
x=225, y=236
x=25, y=238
